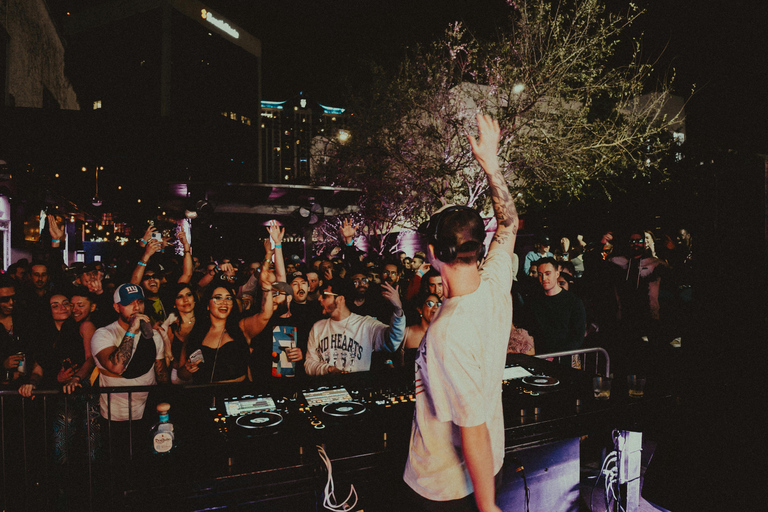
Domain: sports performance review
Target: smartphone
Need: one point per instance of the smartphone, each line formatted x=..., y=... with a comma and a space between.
x=157, y=236
x=197, y=356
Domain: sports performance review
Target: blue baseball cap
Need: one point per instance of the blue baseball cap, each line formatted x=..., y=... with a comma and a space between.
x=127, y=293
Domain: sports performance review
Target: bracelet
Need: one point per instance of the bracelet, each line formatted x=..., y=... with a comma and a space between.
x=142, y=241
x=278, y=246
x=55, y=241
x=141, y=263
x=351, y=243
x=130, y=334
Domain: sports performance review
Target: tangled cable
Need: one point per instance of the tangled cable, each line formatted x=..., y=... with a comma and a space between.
x=329, y=498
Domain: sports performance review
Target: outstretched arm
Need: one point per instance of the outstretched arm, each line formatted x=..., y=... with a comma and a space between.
x=485, y=149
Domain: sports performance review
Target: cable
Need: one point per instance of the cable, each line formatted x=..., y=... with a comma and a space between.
x=329, y=498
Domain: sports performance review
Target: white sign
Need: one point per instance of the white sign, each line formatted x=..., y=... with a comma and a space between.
x=220, y=24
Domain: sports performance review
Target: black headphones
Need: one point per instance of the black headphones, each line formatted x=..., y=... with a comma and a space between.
x=446, y=251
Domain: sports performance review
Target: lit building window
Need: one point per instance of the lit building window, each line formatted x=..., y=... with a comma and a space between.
x=97, y=105
x=233, y=116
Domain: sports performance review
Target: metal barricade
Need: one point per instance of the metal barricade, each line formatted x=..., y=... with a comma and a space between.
x=58, y=453
x=584, y=362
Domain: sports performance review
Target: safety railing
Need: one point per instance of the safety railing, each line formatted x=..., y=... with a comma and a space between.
x=585, y=361
x=59, y=453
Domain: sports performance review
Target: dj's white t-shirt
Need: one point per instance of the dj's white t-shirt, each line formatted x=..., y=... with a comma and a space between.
x=459, y=372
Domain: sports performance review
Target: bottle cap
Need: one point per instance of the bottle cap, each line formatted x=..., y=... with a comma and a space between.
x=163, y=407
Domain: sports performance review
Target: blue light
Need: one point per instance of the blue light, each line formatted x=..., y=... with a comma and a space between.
x=273, y=104
x=332, y=110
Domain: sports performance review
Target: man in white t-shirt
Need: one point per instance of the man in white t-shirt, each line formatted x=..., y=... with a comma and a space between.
x=345, y=341
x=126, y=358
x=457, y=440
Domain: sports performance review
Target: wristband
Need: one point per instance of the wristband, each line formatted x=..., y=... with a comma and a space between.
x=351, y=243
x=278, y=246
x=142, y=241
x=130, y=334
x=141, y=263
x=55, y=240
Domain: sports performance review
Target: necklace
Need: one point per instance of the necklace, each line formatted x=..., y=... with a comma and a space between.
x=215, y=357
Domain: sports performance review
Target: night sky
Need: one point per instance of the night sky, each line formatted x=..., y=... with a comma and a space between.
x=322, y=47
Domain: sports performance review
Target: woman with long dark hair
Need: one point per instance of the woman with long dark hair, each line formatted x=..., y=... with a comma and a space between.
x=218, y=348
x=179, y=325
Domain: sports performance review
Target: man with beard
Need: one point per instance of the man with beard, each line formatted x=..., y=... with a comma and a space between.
x=313, y=284
x=367, y=297
x=125, y=356
x=636, y=280
x=275, y=350
x=345, y=341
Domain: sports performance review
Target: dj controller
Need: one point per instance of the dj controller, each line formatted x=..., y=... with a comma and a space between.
x=255, y=442
x=378, y=405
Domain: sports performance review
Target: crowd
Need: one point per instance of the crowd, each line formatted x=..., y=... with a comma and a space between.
x=169, y=316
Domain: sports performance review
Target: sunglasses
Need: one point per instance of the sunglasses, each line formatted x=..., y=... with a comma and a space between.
x=431, y=304
x=218, y=299
x=151, y=276
x=358, y=282
x=7, y=298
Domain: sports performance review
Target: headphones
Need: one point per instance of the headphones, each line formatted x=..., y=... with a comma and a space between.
x=446, y=251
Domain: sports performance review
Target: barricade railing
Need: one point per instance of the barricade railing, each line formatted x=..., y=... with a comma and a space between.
x=52, y=444
x=584, y=361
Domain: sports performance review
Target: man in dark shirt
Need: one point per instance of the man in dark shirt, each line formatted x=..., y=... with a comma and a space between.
x=557, y=320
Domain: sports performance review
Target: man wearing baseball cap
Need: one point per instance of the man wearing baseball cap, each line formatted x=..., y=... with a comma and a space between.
x=128, y=354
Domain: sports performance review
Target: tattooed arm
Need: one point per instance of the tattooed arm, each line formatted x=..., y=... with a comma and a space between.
x=116, y=359
x=485, y=149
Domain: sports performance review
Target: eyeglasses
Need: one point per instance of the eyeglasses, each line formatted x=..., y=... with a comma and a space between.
x=277, y=293
x=7, y=298
x=150, y=276
x=388, y=273
x=431, y=304
x=358, y=282
x=218, y=299
x=637, y=242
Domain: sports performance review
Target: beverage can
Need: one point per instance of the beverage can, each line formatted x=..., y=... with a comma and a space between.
x=22, y=364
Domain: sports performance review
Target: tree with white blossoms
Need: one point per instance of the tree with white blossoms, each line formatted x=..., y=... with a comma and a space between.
x=574, y=124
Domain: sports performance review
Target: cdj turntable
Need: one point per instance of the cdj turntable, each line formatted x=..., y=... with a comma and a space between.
x=251, y=415
x=332, y=406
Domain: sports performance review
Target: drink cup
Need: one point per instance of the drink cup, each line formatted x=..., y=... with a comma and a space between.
x=602, y=387
x=636, y=384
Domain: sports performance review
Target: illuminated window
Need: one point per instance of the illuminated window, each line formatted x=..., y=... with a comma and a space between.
x=97, y=105
x=245, y=120
x=233, y=116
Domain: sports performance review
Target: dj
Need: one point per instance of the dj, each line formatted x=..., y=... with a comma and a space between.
x=457, y=439
x=344, y=342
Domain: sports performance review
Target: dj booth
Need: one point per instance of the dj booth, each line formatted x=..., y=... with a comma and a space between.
x=271, y=446
x=257, y=446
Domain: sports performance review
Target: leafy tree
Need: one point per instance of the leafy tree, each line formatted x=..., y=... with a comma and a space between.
x=574, y=124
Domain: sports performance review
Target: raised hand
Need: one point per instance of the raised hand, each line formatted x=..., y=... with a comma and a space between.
x=486, y=146
x=348, y=230
x=391, y=294
x=275, y=233
x=56, y=231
